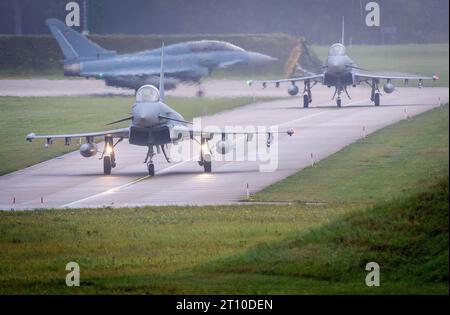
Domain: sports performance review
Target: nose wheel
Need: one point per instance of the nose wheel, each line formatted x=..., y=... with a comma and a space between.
x=149, y=161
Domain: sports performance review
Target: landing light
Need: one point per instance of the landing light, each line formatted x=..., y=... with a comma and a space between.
x=108, y=150
x=205, y=148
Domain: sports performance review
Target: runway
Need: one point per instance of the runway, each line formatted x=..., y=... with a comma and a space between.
x=71, y=181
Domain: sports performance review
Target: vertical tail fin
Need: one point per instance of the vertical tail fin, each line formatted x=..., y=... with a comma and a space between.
x=73, y=44
x=161, y=75
x=343, y=31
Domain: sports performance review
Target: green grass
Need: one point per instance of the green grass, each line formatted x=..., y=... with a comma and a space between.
x=419, y=59
x=20, y=116
x=260, y=249
x=142, y=250
x=400, y=157
x=407, y=237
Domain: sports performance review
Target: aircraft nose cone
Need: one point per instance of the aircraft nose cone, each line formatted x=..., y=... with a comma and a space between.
x=336, y=66
x=145, y=115
x=257, y=58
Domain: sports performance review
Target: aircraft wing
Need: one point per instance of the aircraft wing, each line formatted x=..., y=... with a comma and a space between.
x=364, y=76
x=314, y=78
x=116, y=133
x=183, y=131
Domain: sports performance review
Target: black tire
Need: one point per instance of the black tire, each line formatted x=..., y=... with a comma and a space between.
x=207, y=165
x=107, y=165
x=305, y=101
x=339, y=103
x=377, y=99
x=151, y=169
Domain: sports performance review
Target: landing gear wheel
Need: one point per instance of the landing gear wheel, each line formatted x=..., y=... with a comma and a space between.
x=107, y=165
x=377, y=99
x=339, y=103
x=151, y=169
x=305, y=101
x=207, y=165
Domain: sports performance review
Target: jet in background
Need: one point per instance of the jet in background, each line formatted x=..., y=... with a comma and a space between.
x=154, y=124
x=185, y=62
x=341, y=72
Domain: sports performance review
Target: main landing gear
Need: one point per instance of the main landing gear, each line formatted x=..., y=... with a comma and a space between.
x=205, y=156
x=108, y=155
x=307, y=95
x=375, y=93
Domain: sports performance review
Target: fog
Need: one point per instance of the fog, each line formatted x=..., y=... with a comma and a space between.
x=401, y=21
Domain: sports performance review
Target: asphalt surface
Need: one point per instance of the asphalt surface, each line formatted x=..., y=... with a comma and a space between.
x=93, y=87
x=72, y=181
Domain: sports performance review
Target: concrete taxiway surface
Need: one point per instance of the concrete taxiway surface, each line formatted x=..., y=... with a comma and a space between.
x=92, y=87
x=74, y=182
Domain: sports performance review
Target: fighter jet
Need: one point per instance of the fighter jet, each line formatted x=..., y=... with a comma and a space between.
x=154, y=125
x=341, y=72
x=185, y=62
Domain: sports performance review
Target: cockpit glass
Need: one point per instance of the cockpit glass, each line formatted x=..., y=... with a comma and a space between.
x=147, y=93
x=337, y=50
x=210, y=45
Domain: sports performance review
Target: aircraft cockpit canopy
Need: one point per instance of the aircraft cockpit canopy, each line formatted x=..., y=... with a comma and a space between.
x=337, y=50
x=147, y=93
x=212, y=45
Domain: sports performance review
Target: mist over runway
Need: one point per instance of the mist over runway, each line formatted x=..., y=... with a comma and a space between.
x=92, y=87
x=71, y=181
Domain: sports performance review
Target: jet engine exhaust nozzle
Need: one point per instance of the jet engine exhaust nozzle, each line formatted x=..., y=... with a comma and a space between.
x=72, y=69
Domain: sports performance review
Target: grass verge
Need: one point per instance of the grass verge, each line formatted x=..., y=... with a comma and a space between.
x=398, y=158
x=407, y=237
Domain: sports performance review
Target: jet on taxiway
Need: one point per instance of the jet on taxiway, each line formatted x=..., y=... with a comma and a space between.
x=185, y=62
x=154, y=125
x=341, y=72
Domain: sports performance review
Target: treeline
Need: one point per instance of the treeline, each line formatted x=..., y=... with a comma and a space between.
x=407, y=21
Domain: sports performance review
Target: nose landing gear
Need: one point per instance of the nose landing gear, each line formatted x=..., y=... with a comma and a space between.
x=149, y=161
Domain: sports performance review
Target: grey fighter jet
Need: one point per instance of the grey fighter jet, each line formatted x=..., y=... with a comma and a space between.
x=341, y=72
x=185, y=62
x=154, y=125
